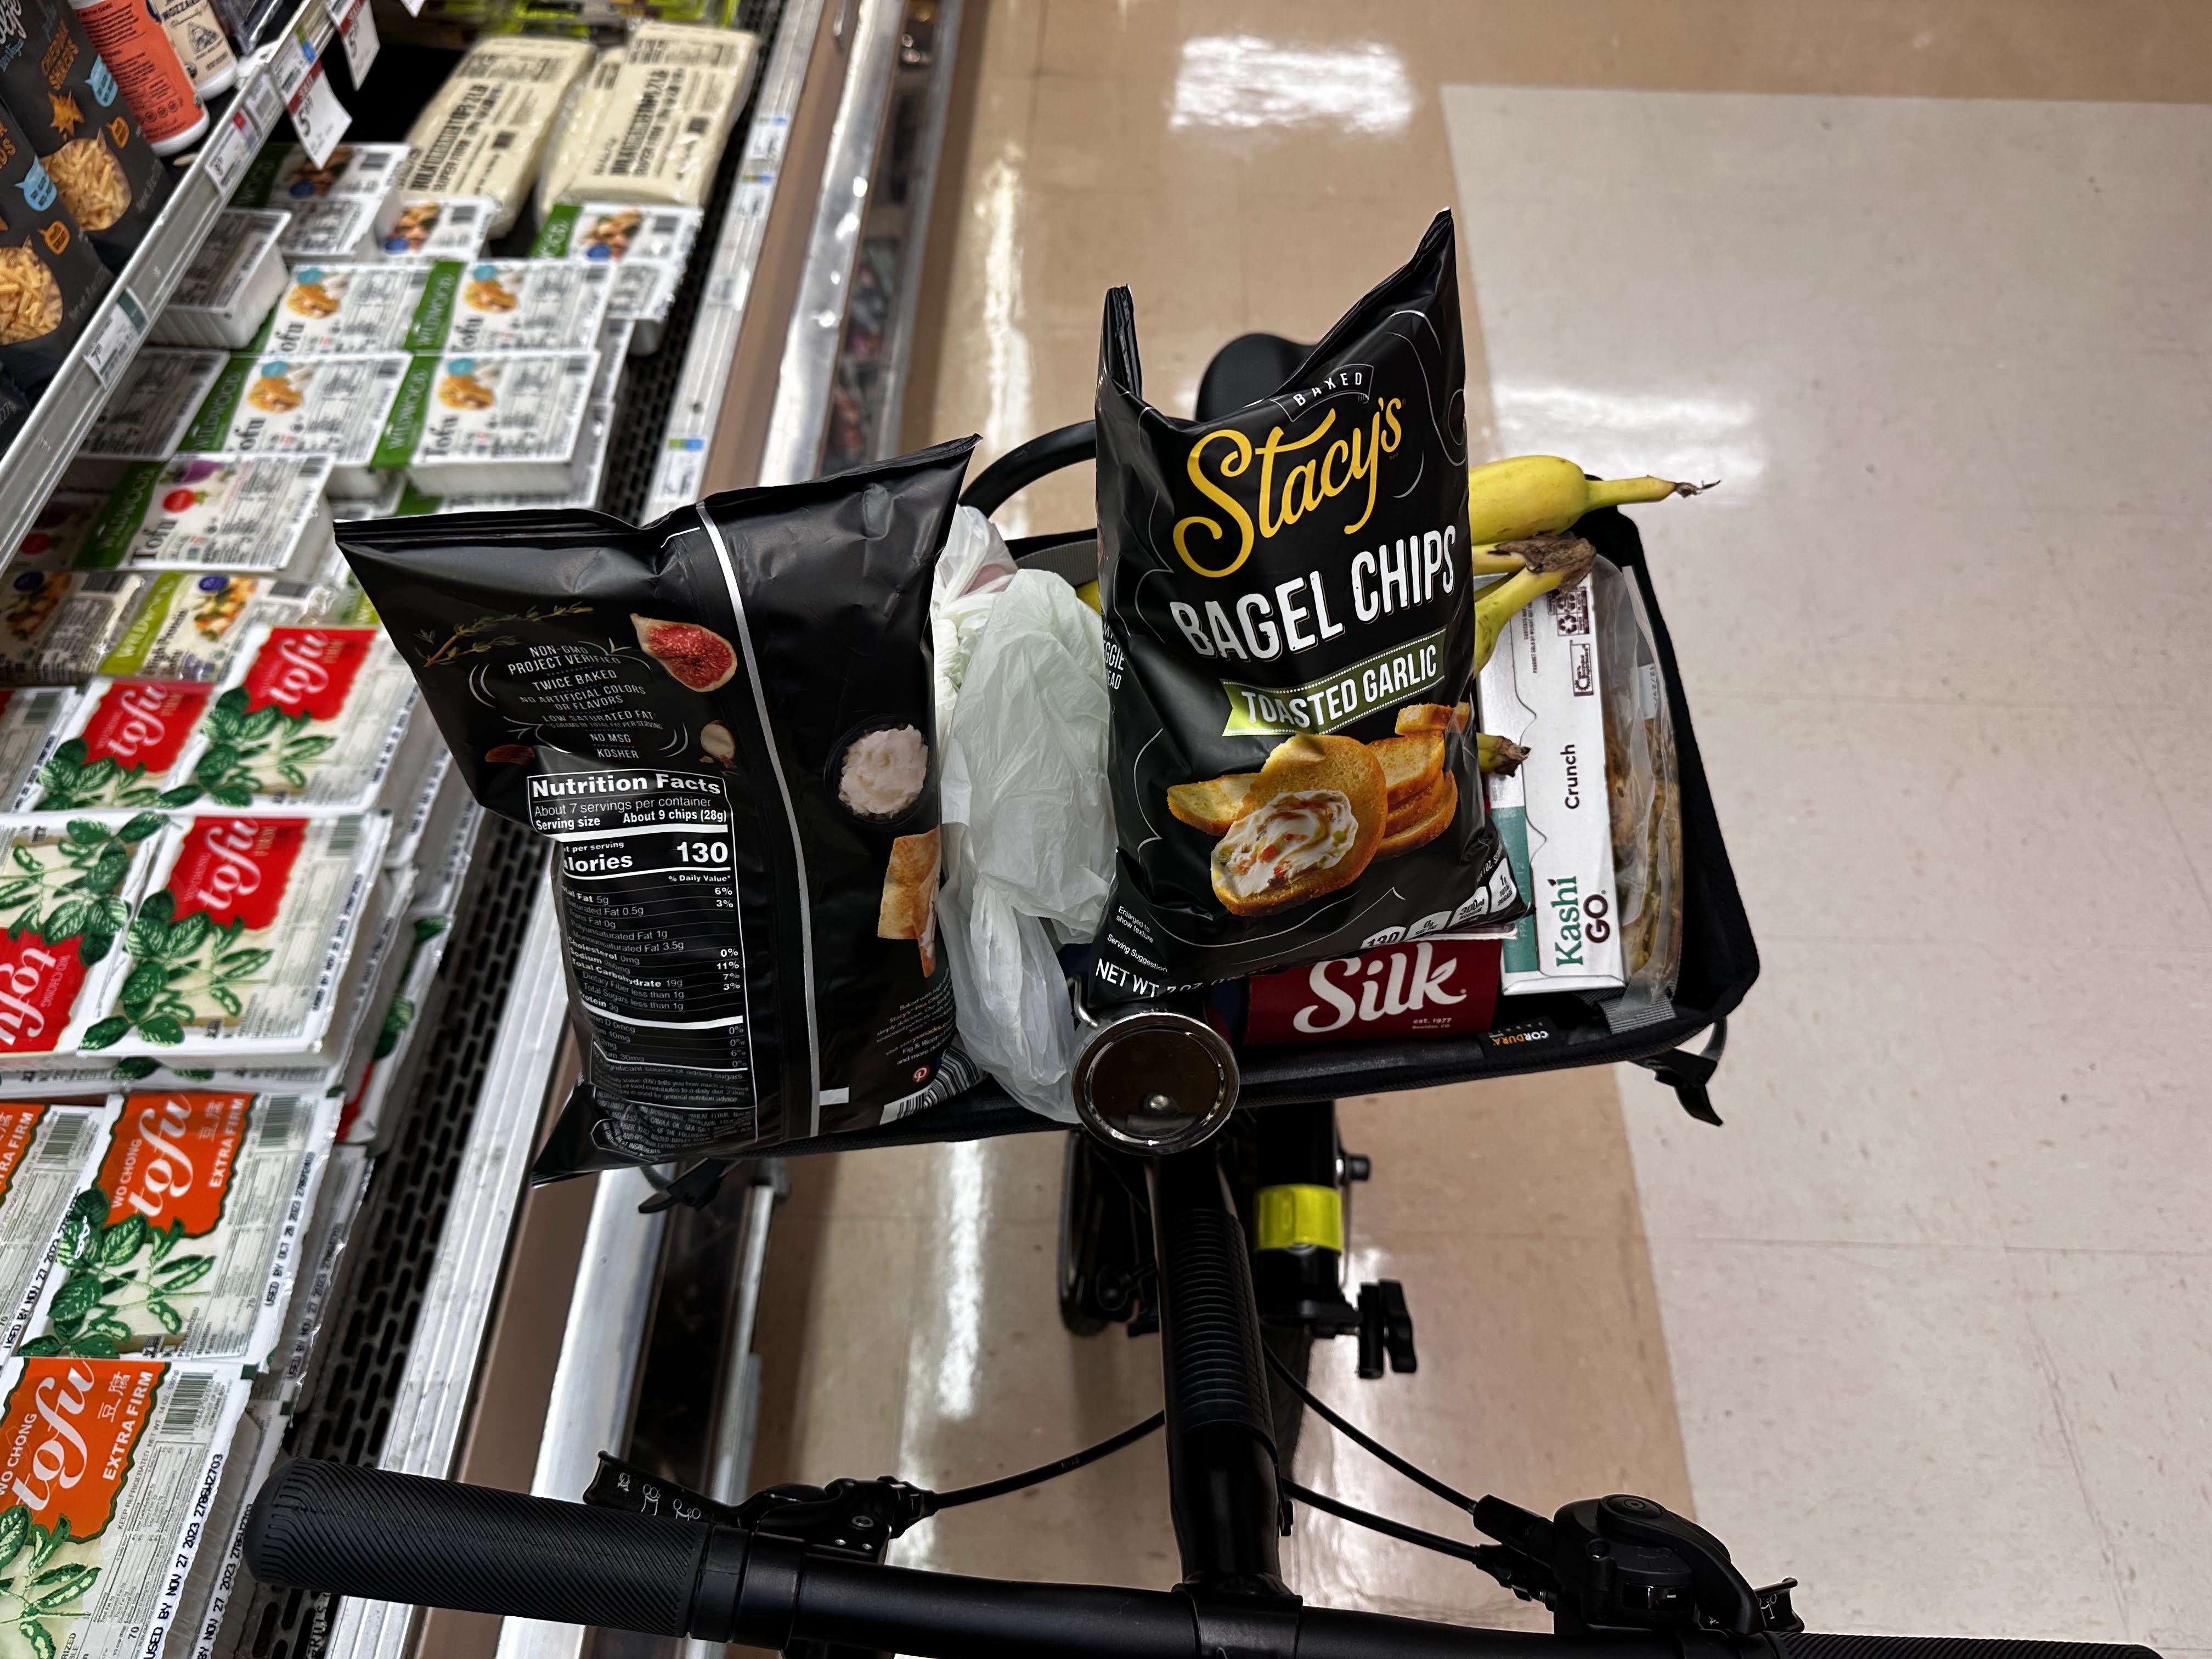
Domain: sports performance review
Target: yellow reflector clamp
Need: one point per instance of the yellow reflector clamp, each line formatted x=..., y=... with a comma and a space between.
x=1287, y=1217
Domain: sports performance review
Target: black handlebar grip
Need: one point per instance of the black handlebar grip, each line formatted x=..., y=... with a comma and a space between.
x=1807, y=1645
x=388, y=1537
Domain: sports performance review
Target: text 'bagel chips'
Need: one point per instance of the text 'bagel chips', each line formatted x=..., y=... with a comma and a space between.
x=1289, y=642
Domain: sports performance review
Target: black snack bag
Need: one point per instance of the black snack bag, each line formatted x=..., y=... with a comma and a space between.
x=1290, y=644
x=724, y=720
x=15, y=410
x=51, y=281
x=80, y=126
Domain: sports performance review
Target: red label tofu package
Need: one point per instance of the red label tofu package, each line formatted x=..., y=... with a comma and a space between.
x=724, y=721
x=65, y=895
x=1290, y=643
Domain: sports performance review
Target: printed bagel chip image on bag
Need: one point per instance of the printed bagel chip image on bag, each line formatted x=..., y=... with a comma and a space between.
x=724, y=721
x=1290, y=638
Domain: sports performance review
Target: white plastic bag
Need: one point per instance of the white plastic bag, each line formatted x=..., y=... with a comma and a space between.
x=971, y=573
x=1028, y=831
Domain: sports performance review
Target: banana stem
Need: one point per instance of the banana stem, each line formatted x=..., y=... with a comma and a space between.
x=1619, y=492
x=1487, y=562
x=1495, y=606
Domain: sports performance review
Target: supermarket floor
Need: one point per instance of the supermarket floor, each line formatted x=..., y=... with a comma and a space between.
x=1926, y=1325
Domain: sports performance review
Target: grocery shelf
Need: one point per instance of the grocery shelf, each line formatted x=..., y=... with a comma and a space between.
x=702, y=386
x=48, y=438
x=411, y=1354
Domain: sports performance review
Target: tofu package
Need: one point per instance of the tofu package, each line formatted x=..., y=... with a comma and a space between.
x=191, y=622
x=725, y=721
x=65, y=902
x=55, y=625
x=232, y=282
x=48, y=1154
x=485, y=130
x=1542, y=689
x=193, y=511
x=509, y=421
x=658, y=134
x=146, y=416
x=343, y=207
x=648, y=247
x=587, y=99
x=447, y=305
x=183, y=1244
x=242, y=942
x=1286, y=597
x=149, y=1440
x=305, y=717
x=438, y=228
x=28, y=717
x=59, y=530
x=338, y=308
x=333, y=406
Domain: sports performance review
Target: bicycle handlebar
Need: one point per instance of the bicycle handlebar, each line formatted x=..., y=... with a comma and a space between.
x=384, y=1537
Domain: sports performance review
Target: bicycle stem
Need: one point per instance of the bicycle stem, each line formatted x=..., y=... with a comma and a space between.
x=1221, y=1450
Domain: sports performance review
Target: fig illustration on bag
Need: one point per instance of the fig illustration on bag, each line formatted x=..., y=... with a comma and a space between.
x=1289, y=642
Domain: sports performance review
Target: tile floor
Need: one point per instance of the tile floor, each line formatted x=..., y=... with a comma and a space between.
x=1926, y=1324
x=1962, y=1197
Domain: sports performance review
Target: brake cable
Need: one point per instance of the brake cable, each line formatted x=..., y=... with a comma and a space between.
x=1043, y=1472
x=1397, y=1530
x=1369, y=1445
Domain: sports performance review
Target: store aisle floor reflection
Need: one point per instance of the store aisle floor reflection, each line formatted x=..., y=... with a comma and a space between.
x=1258, y=166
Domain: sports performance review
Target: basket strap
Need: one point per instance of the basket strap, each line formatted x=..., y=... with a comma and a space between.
x=1688, y=1073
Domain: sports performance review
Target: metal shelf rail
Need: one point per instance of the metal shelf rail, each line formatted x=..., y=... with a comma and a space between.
x=697, y=406
x=47, y=440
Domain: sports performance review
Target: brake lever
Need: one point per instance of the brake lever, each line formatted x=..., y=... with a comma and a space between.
x=1625, y=1563
x=848, y=1517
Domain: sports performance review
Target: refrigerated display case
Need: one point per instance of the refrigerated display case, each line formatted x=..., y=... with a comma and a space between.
x=447, y=1319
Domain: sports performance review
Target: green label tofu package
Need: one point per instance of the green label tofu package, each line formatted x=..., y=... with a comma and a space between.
x=724, y=721
x=1289, y=652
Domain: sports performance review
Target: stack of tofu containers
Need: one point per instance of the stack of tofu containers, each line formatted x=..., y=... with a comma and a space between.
x=233, y=840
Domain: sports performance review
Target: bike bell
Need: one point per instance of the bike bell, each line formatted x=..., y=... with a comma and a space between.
x=1152, y=1078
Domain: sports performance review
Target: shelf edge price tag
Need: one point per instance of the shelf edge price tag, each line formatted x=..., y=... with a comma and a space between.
x=356, y=28
x=295, y=62
x=261, y=103
x=109, y=352
x=317, y=116
x=229, y=150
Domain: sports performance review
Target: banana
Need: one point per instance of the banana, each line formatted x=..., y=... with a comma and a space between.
x=1495, y=754
x=1566, y=563
x=1542, y=495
